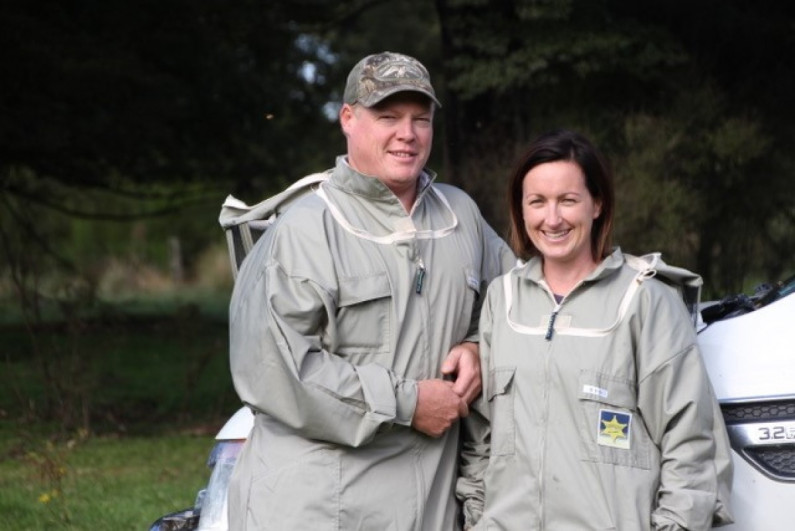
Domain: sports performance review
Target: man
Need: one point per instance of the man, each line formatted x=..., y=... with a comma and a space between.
x=345, y=320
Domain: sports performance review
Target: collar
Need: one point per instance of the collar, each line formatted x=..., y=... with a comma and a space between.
x=533, y=269
x=354, y=182
x=392, y=224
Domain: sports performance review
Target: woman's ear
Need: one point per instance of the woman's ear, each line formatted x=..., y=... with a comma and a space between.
x=597, y=208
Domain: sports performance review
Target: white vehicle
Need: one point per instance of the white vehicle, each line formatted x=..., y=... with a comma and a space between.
x=748, y=348
x=209, y=511
x=749, y=352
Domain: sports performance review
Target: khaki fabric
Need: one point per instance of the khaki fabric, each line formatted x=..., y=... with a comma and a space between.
x=605, y=422
x=328, y=337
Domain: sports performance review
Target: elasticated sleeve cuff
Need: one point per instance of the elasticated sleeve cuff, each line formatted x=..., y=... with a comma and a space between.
x=406, y=396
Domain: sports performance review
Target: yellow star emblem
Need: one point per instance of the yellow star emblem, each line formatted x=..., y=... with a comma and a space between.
x=614, y=429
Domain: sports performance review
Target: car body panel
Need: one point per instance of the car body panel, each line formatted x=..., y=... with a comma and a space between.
x=746, y=355
x=758, y=503
x=238, y=426
x=751, y=364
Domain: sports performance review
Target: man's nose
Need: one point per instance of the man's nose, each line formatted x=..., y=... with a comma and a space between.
x=406, y=129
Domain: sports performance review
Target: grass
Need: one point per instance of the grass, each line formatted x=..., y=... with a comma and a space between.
x=132, y=370
x=152, y=379
x=98, y=483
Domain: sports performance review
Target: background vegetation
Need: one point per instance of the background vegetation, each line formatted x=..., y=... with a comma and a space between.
x=118, y=112
x=123, y=125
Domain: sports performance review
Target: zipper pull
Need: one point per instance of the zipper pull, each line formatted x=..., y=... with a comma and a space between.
x=419, y=277
x=551, y=326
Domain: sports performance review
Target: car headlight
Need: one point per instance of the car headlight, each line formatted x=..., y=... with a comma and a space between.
x=212, y=501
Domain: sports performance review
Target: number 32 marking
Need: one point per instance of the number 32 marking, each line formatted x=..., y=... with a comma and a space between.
x=775, y=433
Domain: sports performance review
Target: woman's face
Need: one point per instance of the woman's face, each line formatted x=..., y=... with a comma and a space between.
x=558, y=212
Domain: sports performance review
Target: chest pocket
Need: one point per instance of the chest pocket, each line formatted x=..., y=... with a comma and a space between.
x=611, y=428
x=364, y=324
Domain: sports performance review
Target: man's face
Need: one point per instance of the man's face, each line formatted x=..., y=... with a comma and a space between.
x=390, y=141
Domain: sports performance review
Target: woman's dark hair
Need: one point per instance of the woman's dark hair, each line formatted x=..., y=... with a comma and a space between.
x=564, y=145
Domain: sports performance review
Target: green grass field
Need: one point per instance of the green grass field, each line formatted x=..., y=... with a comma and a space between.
x=144, y=390
x=102, y=482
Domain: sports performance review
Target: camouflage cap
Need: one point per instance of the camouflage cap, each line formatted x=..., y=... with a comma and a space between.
x=380, y=75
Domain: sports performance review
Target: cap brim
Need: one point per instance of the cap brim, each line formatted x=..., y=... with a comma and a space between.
x=395, y=90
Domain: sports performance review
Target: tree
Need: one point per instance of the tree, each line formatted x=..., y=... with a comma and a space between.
x=99, y=95
x=130, y=99
x=514, y=68
x=120, y=112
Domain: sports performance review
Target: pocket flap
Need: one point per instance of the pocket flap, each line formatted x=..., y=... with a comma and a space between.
x=500, y=381
x=354, y=290
x=607, y=389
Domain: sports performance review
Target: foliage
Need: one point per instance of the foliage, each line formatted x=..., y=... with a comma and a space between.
x=693, y=97
x=66, y=326
x=122, y=112
x=689, y=173
x=136, y=369
x=152, y=91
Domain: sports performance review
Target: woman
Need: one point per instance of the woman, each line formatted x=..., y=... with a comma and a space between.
x=598, y=411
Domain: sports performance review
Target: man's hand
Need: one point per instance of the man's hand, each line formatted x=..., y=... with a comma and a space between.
x=463, y=363
x=438, y=407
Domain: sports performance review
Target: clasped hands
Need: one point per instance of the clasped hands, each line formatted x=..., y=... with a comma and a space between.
x=442, y=402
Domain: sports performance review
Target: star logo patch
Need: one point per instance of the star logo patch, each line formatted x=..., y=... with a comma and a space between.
x=614, y=429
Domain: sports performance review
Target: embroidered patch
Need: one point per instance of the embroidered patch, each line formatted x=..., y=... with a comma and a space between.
x=593, y=390
x=614, y=429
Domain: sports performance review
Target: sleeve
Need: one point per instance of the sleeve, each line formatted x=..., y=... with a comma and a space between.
x=497, y=260
x=279, y=366
x=476, y=435
x=677, y=404
x=724, y=469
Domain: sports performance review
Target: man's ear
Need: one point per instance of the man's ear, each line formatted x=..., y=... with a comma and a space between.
x=346, y=115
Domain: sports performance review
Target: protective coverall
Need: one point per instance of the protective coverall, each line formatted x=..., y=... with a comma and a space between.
x=337, y=312
x=599, y=414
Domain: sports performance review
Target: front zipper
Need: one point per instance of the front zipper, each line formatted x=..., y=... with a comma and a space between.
x=551, y=326
x=544, y=422
x=419, y=277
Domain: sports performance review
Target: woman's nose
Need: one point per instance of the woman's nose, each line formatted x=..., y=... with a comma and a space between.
x=553, y=213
